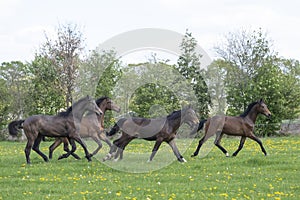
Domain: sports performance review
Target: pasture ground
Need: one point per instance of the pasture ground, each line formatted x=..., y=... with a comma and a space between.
x=250, y=175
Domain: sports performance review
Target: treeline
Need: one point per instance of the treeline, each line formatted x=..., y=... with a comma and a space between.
x=247, y=69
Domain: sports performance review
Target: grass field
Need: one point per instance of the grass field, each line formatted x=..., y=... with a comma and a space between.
x=250, y=175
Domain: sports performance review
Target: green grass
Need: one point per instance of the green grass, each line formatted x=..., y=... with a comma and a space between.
x=250, y=175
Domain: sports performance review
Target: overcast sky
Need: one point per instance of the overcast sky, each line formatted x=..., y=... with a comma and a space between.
x=23, y=22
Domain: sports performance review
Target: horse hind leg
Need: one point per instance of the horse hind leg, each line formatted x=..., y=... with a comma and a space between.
x=201, y=142
x=36, y=147
x=217, y=143
x=28, y=149
x=56, y=143
x=242, y=141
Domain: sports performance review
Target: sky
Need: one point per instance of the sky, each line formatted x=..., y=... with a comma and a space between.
x=25, y=22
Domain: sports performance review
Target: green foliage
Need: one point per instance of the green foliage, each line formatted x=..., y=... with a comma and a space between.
x=46, y=95
x=189, y=67
x=13, y=91
x=63, y=52
x=252, y=72
x=154, y=89
x=154, y=100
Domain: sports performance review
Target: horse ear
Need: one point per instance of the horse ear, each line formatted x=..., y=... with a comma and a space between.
x=261, y=100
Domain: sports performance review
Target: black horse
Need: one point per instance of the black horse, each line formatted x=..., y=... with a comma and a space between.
x=162, y=129
x=65, y=124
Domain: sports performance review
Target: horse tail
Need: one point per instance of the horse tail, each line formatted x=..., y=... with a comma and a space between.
x=201, y=124
x=116, y=127
x=14, y=126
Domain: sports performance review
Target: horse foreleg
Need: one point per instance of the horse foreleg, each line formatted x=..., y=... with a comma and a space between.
x=83, y=145
x=176, y=151
x=36, y=147
x=69, y=152
x=98, y=141
x=217, y=143
x=155, y=149
x=243, y=139
x=103, y=137
x=253, y=137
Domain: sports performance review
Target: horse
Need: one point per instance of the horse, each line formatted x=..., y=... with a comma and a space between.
x=242, y=125
x=162, y=129
x=64, y=124
x=89, y=128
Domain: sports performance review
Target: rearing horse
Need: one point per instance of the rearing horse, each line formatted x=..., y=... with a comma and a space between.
x=242, y=125
x=90, y=128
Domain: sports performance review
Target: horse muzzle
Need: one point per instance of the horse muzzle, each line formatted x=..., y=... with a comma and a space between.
x=269, y=115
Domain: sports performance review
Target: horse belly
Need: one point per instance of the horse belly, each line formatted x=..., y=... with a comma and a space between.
x=233, y=129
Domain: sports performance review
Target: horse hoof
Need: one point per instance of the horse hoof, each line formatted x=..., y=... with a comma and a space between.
x=184, y=160
x=227, y=154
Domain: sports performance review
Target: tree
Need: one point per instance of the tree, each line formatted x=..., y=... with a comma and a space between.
x=13, y=76
x=254, y=71
x=155, y=91
x=188, y=65
x=99, y=74
x=45, y=94
x=64, y=54
x=245, y=52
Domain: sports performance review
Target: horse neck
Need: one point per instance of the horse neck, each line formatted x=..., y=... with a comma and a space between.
x=252, y=115
x=104, y=108
x=77, y=114
x=177, y=121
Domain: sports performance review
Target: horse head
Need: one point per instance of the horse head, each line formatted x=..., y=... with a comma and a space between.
x=263, y=108
x=105, y=103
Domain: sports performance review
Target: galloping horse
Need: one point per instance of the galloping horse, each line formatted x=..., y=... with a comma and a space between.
x=242, y=125
x=162, y=129
x=90, y=128
x=64, y=124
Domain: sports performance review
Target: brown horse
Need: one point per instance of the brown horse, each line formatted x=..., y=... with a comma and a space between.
x=90, y=128
x=242, y=125
x=162, y=129
x=65, y=124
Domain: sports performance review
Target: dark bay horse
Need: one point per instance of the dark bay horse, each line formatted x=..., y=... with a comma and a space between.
x=89, y=128
x=64, y=124
x=162, y=129
x=242, y=125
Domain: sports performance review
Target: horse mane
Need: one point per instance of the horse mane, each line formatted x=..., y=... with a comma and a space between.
x=174, y=114
x=99, y=101
x=70, y=109
x=250, y=106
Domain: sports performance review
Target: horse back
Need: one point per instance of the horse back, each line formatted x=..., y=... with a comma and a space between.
x=47, y=125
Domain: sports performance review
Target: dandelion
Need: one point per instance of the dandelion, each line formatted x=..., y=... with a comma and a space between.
x=119, y=193
x=224, y=194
